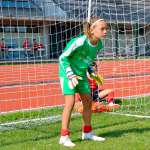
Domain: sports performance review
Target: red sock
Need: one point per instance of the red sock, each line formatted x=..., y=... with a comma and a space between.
x=87, y=128
x=64, y=132
x=110, y=97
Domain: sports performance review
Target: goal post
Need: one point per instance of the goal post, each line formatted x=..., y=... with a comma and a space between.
x=34, y=33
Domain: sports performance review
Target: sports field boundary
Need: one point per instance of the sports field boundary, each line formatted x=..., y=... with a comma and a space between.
x=36, y=121
x=130, y=115
x=53, y=119
x=59, y=106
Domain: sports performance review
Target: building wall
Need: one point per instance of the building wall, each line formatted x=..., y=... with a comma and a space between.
x=16, y=39
x=126, y=41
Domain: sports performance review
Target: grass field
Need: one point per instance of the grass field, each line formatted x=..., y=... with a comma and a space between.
x=121, y=132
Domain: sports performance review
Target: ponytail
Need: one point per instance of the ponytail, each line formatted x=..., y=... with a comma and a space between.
x=86, y=29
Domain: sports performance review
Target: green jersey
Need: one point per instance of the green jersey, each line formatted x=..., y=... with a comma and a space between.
x=78, y=55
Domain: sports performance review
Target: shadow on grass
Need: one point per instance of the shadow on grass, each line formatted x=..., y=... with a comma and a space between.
x=118, y=133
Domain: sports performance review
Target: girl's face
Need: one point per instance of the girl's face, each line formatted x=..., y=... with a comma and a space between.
x=99, y=30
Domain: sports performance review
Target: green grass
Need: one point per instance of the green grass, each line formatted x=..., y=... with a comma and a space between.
x=15, y=116
x=121, y=133
x=137, y=106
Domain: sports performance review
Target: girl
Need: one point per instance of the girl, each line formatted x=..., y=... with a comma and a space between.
x=79, y=53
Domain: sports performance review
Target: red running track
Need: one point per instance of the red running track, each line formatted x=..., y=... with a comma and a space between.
x=37, y=85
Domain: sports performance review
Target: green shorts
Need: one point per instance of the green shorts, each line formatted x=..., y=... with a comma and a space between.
x=82, y=87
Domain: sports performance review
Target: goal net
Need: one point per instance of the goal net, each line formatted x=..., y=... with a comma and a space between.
x=33, y=34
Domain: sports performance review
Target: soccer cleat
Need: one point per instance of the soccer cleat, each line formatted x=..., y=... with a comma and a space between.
x=65, y=140
x=91, y=136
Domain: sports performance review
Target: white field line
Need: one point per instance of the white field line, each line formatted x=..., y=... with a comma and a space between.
x=130, y=115
x=50, y=119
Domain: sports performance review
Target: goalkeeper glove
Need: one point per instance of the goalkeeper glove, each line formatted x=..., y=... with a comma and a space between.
x=98, y=78
x=73, y=79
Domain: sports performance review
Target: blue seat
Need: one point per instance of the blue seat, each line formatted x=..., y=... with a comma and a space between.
x=17, y=4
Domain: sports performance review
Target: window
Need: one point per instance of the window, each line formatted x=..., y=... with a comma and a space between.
x=121, y=30
x=9, y=29
x=11, y=43
x=141, y=31
x=32, y=29
x=1, y=29
x=21, y=29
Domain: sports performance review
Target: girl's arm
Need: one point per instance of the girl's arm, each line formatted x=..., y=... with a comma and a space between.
x=70, y=49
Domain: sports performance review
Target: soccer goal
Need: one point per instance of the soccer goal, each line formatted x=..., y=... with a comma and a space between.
x=33, y=34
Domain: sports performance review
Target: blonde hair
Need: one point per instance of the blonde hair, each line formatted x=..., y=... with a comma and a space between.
x=87, y=25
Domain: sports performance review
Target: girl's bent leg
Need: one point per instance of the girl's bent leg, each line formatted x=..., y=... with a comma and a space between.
x=87, y=128
x=87, y=104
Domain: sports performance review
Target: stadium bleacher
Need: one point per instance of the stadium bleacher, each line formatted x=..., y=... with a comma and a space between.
x=17, y=4
x=24, y=8
x=29, y=10
x=117, y=10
